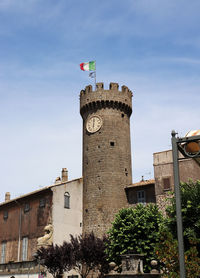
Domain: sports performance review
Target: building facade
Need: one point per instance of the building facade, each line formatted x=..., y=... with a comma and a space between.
x=142, y=192
x=40, y=218
x=164, y=177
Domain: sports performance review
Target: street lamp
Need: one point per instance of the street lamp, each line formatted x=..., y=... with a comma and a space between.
x=192, y=146
x=189, y=147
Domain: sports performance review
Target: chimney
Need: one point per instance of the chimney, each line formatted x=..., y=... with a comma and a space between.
x=7, y=196
x=64, y=174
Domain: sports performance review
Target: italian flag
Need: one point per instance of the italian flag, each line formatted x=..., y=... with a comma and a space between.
x=88, y=66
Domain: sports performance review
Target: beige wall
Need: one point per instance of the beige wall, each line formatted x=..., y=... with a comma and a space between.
x=67, y=221
x=163, y=168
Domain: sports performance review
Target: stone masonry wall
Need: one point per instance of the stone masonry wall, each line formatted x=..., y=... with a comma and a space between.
x=106, y=155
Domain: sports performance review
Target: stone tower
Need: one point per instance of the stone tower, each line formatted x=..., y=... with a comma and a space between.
x=106, y=154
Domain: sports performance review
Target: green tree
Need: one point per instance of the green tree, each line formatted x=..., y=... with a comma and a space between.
x=190, y=196
x=167, y=247
x=167, y=254
x=134, y=230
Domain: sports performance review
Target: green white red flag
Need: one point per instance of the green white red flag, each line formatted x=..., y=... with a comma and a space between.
x=89, y=66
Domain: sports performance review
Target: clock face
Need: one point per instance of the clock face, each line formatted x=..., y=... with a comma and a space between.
x=93, y=124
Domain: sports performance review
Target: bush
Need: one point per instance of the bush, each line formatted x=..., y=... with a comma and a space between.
x=56, y=259
x=190, y=196
x=89, y=254
x=167, y=248
x=83, y=253
x=134, y=230
x=167, y=254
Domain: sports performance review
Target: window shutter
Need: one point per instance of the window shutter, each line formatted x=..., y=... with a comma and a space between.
x=141, y=196
x=166, y=183
x=3, y=252
x=24, y=248
x=67, y=200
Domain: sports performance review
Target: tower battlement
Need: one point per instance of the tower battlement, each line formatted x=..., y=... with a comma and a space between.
x=100, y=98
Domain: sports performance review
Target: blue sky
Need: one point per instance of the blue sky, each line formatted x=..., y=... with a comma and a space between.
x=151, y=46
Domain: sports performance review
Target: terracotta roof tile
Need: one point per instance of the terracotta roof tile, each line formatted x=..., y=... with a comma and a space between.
x=141, y=183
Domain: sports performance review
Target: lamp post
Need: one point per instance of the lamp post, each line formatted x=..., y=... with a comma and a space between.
x=189, y=148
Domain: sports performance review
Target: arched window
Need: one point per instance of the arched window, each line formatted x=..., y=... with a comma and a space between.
x=67, y=200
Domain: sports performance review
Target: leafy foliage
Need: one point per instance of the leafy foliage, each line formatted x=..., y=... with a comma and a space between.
x=167, y=247
x=167, y=254
x=82, y=253
x=89, y=254
x=190, y=196
x=135, y=230
x=56, y=259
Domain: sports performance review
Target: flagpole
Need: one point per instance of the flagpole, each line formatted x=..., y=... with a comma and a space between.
x=92, y=74
x=95, y=78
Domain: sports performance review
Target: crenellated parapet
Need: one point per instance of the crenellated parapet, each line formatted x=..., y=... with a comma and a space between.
x=113, y=98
